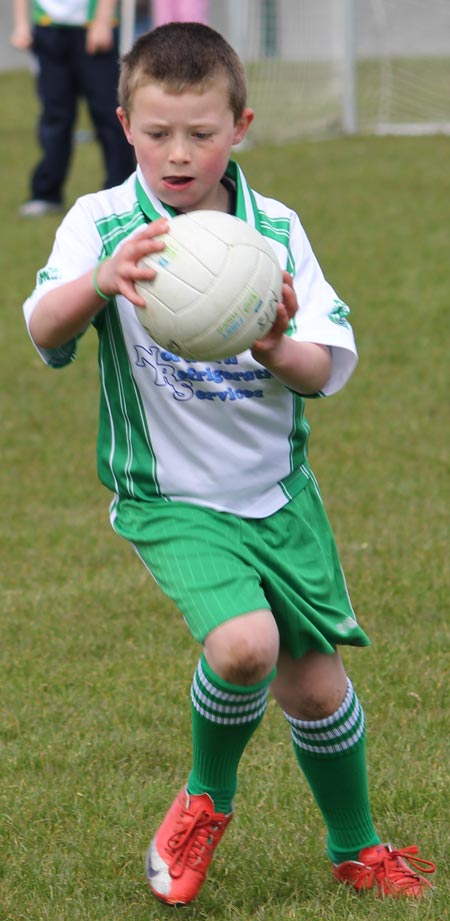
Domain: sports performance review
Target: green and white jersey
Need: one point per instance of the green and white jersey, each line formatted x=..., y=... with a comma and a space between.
x=63, y=12
x=223, y=434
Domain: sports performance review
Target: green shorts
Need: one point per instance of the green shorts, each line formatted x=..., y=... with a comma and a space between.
x=216, y=566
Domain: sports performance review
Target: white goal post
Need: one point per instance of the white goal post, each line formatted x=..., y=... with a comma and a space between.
x=319, y=68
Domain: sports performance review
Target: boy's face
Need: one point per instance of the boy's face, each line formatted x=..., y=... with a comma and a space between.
x=183, y=141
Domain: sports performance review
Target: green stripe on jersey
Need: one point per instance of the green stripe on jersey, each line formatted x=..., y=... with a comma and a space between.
x=126, y=460
x=114, y=228
x=41, y=16
x=277, y=229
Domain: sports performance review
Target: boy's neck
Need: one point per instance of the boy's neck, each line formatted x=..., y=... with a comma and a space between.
x=230, y=188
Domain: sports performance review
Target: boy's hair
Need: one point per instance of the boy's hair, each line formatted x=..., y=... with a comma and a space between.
x=182, y=56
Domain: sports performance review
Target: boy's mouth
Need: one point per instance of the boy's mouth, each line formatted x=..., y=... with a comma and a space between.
x=177, y=182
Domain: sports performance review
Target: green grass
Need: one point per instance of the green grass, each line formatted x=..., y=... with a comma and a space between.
x=95, y=665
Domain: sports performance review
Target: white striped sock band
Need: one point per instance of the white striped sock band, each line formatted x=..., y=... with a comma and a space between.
x=227, y=708
x=334, y=734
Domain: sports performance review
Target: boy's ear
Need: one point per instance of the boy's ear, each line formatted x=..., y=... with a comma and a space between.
x=123, y=118
x=242, y=125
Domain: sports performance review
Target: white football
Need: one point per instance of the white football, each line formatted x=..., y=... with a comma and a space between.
x=216, y=290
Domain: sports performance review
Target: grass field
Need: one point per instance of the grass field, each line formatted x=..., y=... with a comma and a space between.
x=95, y=665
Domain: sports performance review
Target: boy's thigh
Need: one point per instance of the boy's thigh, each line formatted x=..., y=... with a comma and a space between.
x=197, y=557
x=216, y=566
x=303, y=580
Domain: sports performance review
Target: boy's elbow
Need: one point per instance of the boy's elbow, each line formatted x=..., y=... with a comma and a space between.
x=42, y=336
x=321, y=372
x=39, y=337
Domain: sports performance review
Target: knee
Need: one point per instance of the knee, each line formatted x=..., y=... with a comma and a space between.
x=244, y=650
x=311, y=688
x=320, y=704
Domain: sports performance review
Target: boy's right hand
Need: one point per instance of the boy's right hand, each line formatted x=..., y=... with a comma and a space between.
x=22, y=37
x=118, y=274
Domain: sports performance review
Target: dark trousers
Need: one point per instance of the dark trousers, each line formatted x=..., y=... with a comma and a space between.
x=65, y=74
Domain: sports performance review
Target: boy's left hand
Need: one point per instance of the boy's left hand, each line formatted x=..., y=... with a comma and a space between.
x=99, y=37
x=287, y=308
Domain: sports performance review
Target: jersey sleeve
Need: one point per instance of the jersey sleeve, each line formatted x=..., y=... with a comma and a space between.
x=76, y=249
x=322, y=316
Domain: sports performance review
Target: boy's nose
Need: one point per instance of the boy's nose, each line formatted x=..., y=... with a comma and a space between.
x=179, y=152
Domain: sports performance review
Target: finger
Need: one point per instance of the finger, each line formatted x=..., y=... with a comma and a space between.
x=160, y=226
x=143, y=273
x=289, y=299
x=288, y=279
x=281, y=320
x=129, y=291
x=152, y=231
x=277, y=329
x=146, y=246
x=138, y=247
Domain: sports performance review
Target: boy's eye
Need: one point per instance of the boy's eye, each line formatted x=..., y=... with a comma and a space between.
x=157, y=135
x=202, y=135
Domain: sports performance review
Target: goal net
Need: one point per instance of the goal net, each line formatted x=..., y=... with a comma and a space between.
x=294, y=56
x=318, y=68
x=403, y=66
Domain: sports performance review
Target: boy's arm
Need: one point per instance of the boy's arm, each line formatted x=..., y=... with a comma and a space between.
x=65, y=311
x=100, y=31
x=303, y=366
x=319, y=354
x=21, y=37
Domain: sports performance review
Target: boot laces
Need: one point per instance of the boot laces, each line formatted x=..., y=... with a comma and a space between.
x=193, y=841
x=391, y=870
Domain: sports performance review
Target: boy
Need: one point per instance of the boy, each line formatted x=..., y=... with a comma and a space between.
x=76, y=46
x=249, y=559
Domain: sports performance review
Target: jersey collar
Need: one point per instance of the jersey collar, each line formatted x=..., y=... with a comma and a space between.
x=246, y=208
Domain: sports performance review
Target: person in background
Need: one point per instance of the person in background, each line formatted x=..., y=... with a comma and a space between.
x=142, y=17
x=77, y=55
x=179, y=11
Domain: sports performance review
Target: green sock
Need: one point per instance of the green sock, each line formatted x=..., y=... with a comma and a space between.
x=332, y=755
x=224, y=718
